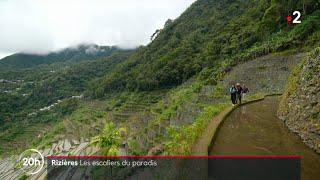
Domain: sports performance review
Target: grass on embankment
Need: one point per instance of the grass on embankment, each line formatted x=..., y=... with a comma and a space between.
x=181, y=138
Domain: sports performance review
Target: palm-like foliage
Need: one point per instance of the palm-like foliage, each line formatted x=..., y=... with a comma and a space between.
x=109, y=140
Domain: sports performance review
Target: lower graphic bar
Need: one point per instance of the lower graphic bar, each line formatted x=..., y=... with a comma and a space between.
x=174, y=167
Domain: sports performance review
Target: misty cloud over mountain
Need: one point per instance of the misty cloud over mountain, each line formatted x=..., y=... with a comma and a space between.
x=39, y=26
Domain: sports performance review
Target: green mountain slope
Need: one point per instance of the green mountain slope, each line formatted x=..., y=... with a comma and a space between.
x=40, y=86
x=74, y=80
x=211, y=32
x=75, y=54
x=24, y=92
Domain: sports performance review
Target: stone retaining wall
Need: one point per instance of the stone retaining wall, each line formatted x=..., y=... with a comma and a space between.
x=300, y=107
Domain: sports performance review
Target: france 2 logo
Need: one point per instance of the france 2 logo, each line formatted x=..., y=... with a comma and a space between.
x=295, y=18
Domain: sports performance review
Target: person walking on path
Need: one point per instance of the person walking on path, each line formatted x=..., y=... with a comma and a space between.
x=233, y=93
x=239, y=92
x=245, y=91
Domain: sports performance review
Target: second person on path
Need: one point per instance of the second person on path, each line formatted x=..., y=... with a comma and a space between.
x=239, y=92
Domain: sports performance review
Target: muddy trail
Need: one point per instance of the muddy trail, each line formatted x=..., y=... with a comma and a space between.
x=254, y=129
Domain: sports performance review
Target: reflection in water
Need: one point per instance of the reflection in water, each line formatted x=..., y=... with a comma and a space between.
x=254, y=129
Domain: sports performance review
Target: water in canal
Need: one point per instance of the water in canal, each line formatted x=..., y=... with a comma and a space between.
x=254, y=129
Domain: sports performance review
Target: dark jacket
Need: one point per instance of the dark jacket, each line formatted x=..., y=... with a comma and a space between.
x=239, y=90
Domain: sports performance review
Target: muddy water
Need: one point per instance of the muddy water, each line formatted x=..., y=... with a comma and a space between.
x=254, y=129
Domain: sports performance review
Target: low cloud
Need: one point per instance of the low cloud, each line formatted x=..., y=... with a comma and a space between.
x=40, y=26
x=92, y=50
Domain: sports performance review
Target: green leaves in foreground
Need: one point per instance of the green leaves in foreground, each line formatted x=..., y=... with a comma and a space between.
x=109, y=140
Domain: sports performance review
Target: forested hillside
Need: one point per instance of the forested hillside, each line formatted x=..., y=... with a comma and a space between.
x=73, y=54
x=162, y=94
x=210, y=33
x=36, y=97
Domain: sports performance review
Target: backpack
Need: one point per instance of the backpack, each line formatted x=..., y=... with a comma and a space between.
x=232, y=90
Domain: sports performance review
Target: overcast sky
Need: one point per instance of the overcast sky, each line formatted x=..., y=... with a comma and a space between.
x=39, y=26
